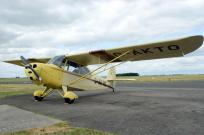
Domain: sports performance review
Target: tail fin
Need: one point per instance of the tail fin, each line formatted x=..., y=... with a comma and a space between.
x=111, y=74
x=111, y=77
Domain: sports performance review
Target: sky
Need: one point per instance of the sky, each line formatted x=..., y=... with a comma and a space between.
x=45, y=28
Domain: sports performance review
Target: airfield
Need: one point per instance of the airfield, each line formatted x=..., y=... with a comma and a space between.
x=156, y=108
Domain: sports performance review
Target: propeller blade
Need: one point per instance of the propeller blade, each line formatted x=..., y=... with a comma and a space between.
x=28, y=65
x=25, y=61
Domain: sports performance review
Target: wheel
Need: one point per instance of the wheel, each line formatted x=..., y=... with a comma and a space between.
x=67, y=100
x=38, y=95
x=38, y=98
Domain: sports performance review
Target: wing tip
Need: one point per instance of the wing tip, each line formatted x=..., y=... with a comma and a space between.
x=199, y=41
x=13, y=62
x=195, y=42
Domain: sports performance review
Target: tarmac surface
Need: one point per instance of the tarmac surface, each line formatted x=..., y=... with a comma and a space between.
x=13, y=119
x=170, y=108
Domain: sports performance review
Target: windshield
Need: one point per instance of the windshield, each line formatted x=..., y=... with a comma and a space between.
x=57, y=60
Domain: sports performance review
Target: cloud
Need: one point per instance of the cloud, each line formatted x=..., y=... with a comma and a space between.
x=6, y=36
x=51, y=27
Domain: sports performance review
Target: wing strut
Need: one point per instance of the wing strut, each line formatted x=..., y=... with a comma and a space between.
x=84, y=76
x=113, y=66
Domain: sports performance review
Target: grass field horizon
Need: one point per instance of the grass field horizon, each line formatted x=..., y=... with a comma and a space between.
x=144, y=78
x=19, y=86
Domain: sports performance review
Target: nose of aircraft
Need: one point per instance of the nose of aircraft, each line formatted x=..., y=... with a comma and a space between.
x=30, y=74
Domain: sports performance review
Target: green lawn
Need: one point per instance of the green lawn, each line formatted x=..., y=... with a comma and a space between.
x=16, y=89
x=60, y=129
x=14, y=80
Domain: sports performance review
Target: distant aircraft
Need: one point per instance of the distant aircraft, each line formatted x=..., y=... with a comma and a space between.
x=67, y=73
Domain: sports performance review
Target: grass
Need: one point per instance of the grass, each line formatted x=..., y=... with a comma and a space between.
x=14, y=80
x=16, y=89
x=165, y=78
x=59, y=129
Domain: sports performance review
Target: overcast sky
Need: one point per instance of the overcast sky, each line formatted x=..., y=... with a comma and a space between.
x=45, y=28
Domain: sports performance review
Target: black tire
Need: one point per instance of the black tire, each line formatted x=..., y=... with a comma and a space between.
x=69, y=101
x=72, y=101
x=38, y=98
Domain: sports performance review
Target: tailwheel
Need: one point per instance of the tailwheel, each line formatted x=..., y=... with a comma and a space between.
x=38, y=95
x=70, y=97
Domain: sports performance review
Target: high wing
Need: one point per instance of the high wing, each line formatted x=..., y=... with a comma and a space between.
x=165, y=49
x=157, y=50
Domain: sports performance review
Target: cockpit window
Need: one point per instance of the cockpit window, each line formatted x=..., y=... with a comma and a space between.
x=58, y=60
x=81, y=70
x=67, y=65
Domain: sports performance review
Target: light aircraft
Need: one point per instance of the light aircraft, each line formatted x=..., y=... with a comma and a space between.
x=67, y=73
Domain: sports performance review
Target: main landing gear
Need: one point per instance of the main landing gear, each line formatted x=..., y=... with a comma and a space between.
x=69, y=97
x=39, y=94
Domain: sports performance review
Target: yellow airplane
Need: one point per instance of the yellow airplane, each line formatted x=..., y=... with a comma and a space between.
x=67, y=73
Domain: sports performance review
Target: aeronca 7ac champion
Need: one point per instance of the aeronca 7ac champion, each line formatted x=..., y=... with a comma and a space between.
x=67, y=73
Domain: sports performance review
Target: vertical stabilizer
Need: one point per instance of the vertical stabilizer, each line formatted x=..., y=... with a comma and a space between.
x=111, y=74
x=111, y=77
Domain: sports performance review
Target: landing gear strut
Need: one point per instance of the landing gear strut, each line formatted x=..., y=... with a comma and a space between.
x=39, y=94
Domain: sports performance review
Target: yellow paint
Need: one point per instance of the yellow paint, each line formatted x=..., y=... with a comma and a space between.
x=30, y=74
x=38, y=93
x=70, y=95
x=52, y=76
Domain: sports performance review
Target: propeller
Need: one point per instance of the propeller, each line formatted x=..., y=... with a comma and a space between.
x=28, y=65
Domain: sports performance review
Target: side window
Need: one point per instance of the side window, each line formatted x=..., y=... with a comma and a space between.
x=71, y=68
x=76, y=68
x=81, y=70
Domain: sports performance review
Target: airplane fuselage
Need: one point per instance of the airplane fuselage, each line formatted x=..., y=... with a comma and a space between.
x=55, y=77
